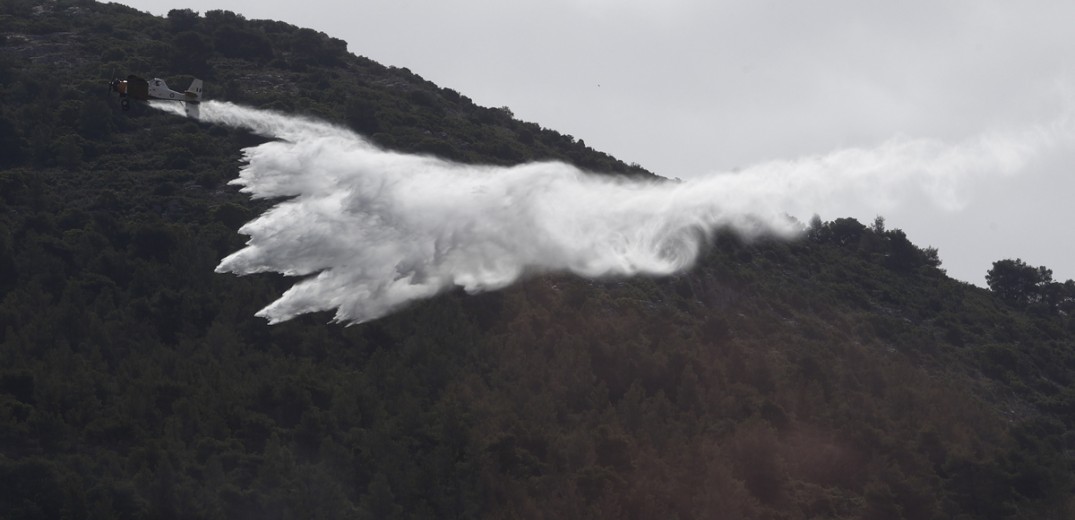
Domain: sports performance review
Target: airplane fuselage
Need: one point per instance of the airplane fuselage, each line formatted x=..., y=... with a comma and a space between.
x=135, y=87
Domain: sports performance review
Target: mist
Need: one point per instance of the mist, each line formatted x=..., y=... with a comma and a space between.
x=368, y=231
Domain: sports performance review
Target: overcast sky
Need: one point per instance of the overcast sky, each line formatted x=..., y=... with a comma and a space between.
x=690, y=87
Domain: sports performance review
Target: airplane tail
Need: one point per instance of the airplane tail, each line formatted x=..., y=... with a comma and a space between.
x=194, y=91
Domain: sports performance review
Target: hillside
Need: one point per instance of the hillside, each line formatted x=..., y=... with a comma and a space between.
x=842, y=375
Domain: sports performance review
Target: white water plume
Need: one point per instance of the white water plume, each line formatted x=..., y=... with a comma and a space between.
x=370, y=230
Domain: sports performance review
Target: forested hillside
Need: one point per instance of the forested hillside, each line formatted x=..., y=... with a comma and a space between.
x=842, y=375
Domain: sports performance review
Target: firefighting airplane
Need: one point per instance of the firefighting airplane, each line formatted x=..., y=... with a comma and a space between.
x=137, y=88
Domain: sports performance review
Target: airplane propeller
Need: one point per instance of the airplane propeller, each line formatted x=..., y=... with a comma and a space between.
x=113, y=86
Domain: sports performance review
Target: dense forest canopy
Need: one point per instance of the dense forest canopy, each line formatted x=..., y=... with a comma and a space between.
x=842, y=375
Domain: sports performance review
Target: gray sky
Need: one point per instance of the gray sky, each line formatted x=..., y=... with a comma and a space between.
x=690, y=87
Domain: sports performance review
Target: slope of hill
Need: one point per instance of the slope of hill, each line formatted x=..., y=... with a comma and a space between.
x=838, y=376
